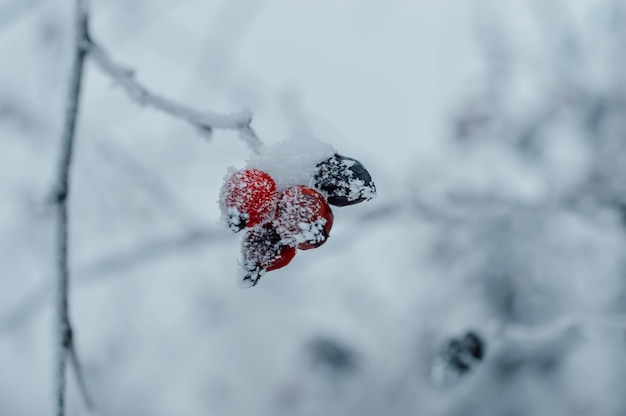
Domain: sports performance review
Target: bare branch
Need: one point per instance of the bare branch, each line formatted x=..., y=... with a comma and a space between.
x=204, y=120
x=113, y=265
x=80, y=379
x=65, y=341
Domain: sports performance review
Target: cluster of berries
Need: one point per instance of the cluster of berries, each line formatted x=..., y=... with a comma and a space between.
x=277, y=224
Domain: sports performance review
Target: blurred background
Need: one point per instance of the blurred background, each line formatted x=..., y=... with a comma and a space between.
x=495, y=131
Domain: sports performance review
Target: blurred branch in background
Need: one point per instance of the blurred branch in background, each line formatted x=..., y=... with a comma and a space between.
x=143, y=179
x=225, y=33
x=112, y=265
x=577, y=90
x=511, y=348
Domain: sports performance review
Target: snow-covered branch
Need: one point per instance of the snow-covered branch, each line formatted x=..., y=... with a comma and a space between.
x=204, y=120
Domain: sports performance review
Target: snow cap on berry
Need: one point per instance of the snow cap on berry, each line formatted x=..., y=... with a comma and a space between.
x=292, y=162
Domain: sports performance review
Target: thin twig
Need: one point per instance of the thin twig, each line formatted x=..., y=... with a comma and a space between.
x=80, y=379
x=66, y=342
x=206, y=121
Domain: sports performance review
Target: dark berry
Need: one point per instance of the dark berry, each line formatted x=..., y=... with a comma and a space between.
x=263, y=251
x=331, y=355
x=462, y=354
x=344, y=181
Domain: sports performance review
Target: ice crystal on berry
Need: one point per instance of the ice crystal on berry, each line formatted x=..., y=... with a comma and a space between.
x=248, y=198
x=303, y=218
x=263, y=251
x=344, y=181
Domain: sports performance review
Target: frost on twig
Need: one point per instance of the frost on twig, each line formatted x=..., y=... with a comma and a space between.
x=205, y=121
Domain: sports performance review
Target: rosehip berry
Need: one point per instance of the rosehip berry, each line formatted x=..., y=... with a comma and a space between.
x=248, y=198
x=303, y=217
x=344, y=181
x=264, y=251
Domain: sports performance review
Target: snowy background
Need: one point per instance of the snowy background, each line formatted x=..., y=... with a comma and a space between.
x=495, y=132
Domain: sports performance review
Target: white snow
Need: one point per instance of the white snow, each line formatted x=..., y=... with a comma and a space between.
x=292, y=162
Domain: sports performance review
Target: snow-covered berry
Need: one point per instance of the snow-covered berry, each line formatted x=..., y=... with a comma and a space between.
x=263, y=251
x=248, y=198
x=303, y=217
x=344, y=181
x=464, y=353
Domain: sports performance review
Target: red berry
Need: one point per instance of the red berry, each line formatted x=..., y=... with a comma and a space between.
x=264, y=251
x=248, y=198
x=303, y=217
